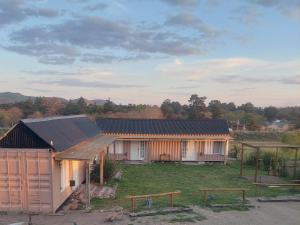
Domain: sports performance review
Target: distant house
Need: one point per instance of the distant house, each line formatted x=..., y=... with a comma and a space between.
x=42, y=161
x=167, y=140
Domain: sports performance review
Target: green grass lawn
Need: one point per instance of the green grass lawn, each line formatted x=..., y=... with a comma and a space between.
x=159, y=177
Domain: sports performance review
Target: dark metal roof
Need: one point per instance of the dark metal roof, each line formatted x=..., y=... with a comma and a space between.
x=63, y=132
x=163, y=126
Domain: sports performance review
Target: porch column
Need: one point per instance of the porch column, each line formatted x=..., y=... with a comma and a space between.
x=226, y=151
x=101, y=162
x=87, y=185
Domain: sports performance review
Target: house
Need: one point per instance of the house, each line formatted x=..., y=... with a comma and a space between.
x=167, y=140
x=42, y=161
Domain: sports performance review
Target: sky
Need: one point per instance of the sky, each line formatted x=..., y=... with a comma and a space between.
x=146, y=51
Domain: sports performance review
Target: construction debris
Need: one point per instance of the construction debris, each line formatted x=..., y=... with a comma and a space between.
x=78, y=197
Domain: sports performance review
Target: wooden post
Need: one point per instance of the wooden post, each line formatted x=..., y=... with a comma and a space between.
x=171, y=200
x=242, y=161
x=276, y=162
x=101, y=167
x=205, y=197
x=256, y=164
x=132, y=204
x=295, y=163
x=87, y=185
x=244, y=197
x=257, y=189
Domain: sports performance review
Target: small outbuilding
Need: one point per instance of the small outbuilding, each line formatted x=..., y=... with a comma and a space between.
x=42, y=161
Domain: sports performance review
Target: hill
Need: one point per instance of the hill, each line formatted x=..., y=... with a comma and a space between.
x=10, y=97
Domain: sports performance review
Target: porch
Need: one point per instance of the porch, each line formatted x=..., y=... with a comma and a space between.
x=167, y=157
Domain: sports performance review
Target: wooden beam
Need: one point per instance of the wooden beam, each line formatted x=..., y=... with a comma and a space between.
x=295, y=163
x=101, y=167
x=256, y=164
x=87, y=185
x=242, y=161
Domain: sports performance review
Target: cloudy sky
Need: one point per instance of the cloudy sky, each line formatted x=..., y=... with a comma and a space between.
x=144, y=51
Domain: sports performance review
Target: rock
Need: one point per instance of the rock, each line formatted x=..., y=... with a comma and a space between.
x=114, y=216
x=73, y=205
x=118, y=176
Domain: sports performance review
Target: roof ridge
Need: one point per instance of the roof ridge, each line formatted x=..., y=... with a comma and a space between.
x=52, y=118
x=206, y=119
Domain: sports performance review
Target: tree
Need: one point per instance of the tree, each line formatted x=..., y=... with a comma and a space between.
x=230, y=106
x=270, y=113
x=109, y=106
x=14, y=115
x=197, y=107
x=216, y=108
x=248, y=107
x=172, y=110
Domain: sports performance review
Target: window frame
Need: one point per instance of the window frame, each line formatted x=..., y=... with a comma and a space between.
x=142, y=149
x=220, y=148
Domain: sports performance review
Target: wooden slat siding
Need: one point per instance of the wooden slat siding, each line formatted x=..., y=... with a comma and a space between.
x=22, y=137
x=159, y=148
x=147, y=151
x=200, y=148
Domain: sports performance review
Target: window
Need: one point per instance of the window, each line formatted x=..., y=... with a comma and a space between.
x=218, y=147
x=183, y=148
x=142, y=149
x=64, y=174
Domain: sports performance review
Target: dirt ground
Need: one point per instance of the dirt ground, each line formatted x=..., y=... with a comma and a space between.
x=279, y=213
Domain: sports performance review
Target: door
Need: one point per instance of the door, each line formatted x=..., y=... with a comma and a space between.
x=188, y=151
x=25, y=180
x=134, y=150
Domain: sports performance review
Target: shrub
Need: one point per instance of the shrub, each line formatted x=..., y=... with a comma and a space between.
x=233, y=152
x=250, y=160
x=268, y=160
x=109, y=170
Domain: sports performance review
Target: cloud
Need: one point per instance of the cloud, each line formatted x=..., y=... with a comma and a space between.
x=86, y=84
x=63, y=42
x=97, y=58
x=181, y=3
x=49, y=72
x=79, y=72
x=188, y=20
x=198, y=70
x=14, y=11
x=247, y=14
x=96, y=7
x=291, y=80
x=289, y=8
x=47, y=12
x=48, y=53
x=235, y=70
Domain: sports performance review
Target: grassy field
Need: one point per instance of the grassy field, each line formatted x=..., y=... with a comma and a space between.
x=159, y=177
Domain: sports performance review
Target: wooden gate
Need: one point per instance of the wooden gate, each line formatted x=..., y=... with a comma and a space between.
x=25, y=180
